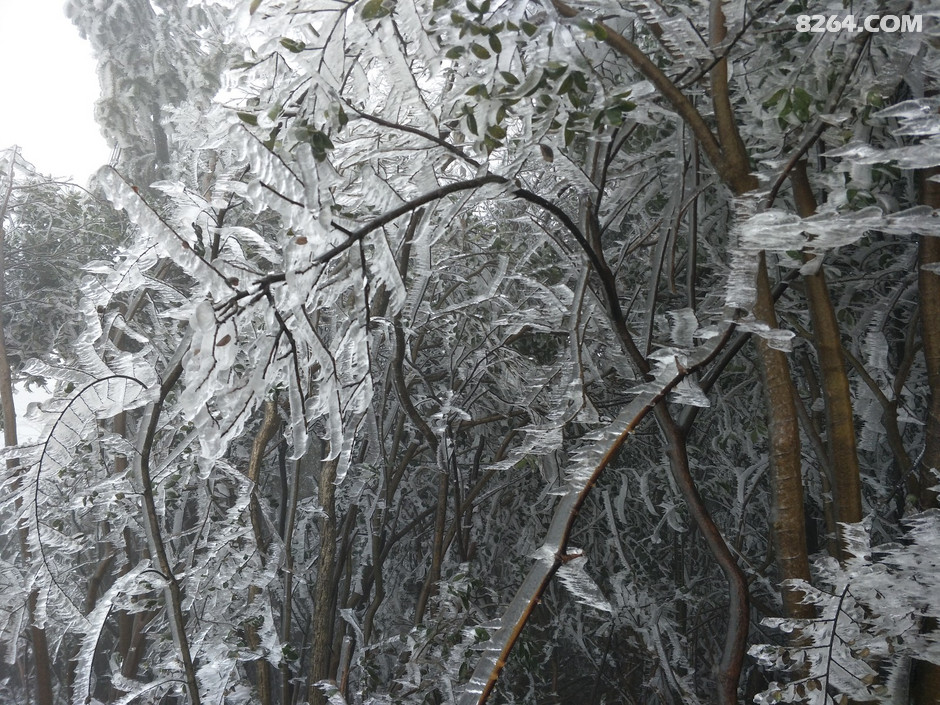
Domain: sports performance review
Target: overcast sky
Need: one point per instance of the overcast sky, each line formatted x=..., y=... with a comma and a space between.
x=48, y=88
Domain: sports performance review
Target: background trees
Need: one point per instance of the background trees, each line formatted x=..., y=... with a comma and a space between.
x=427, y=371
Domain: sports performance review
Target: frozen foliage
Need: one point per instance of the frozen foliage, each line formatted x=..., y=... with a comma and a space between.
x=871, y=616
x=401, y=302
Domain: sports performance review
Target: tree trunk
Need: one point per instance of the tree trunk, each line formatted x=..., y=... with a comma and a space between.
x=265, y=433
x=925, y=676
x=929, y=283
x=324, y=601
x=840, y=421
x=788, y=518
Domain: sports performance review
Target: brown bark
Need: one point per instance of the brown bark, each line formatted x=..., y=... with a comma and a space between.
x=925, y=676
x=733, y=167
x=324, y=601
x=136, y=646
x=787, y=512
x=41, y=656
x=840, y=421
x=925, y=681
x=735, y=645
x=265, y=434
x=126, y=621
x=679, y=101
x=788, y=518
x=529, y=595
x=730, y=160
x=732, y=658
x=929, y=284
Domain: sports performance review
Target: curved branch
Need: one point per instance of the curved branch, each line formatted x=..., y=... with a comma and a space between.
x=737, y=170
x=601, y=268
x=453, y=149
x=553, y=553
x=735, y=646
x=680, y=103
x=408, y=207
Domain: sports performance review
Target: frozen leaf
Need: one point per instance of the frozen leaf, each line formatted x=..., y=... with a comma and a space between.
x=574, y=577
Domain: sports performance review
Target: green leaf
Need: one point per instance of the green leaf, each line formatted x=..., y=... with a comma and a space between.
x=497, y=131
x=249, y=118
x=509, y=78
x=580, y=81
x=495, y=44
x=320, y=143
x=555, y=69
x=478, y=90
x=455, y=52
x=479, y=51
x=321, y=139
x=375, y=9
x=292, y=45
x=802, y=101
x=271, y=141
x=593, y=29
x=775, y=98
x=529, y=28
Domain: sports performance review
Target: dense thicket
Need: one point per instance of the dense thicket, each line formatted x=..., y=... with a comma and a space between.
x=513, y=350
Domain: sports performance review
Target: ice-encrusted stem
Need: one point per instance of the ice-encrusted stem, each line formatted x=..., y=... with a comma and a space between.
x=149, y=424
x=588, y=466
